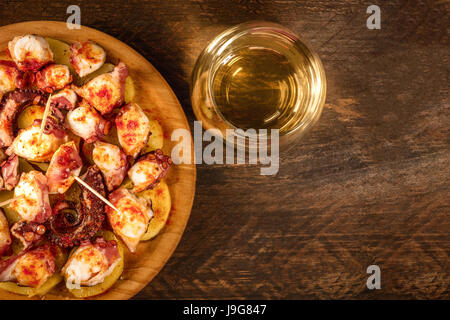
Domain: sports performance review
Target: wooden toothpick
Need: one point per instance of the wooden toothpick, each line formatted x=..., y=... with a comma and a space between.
x=44, y=118
x=84, y=184
x=6, y=202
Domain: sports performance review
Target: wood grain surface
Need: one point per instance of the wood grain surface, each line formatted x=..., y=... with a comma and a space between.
x=369, y=184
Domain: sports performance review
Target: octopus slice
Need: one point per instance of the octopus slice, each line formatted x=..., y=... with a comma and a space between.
x=91, y=263
x=132, y=221
x=11, y=105
x=10, y=172
x=12, y=78
x=30, y=268
x=54, y=126
x=86, y=123
x=32, y=202
x=9, y=76
x=148, y=171
x=66, y=99
x=28, y=232
x=30, y=52
x=5, y=236
x=72, y=223
x=112, y=161
x=30, y=145
x=65, y=164
x=53, y=77
x=86, y=57
x=133, y=129
x=106, y=91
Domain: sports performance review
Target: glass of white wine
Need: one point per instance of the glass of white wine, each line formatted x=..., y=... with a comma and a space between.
x=258, y=75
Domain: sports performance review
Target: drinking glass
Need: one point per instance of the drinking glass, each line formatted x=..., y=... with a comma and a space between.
x=258, y=75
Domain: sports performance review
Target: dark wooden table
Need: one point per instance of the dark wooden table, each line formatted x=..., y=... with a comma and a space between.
x=368, y=185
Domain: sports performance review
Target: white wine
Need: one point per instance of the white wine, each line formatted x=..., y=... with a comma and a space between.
x=256, y=88
x=258, y=75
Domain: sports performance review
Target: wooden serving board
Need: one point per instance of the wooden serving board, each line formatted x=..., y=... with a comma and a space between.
x=153, y=94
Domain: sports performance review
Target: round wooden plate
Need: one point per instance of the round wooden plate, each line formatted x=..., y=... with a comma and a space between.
x=152, y=92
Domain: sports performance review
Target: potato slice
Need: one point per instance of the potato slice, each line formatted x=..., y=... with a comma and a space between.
x=25, y=166
x=112, y=136
x=6, y=195
x=61, y=53
x=27, y=116
x=161, y=204
x=42, y=290
x=156, y=139
x=11, y=215
x=31, y=292
x=109, y=281
x=129, y=90
x=127, y=183
x=41, y=166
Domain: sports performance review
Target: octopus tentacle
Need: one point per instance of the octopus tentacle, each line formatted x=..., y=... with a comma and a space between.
x=28, y=232
x=149, y=170
x=10, y=172
x=73, y=223
x=11, y=104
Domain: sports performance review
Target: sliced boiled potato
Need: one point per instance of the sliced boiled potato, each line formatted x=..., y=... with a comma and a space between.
x=72, y=194
x=6, y=195
x=161, y=205
x=29, y=291
x=156, y=139
x=17, y=246
x=14, y=288
x=129, y=90
x=27, y=116
x=127, y=183
x=112, y=136
x=42, y=290
x=48, y=285
x=74, y=138
x=61, y=53
x=41, y=166
x=109, y=281
x=11, y=215
x=25, y=166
